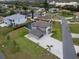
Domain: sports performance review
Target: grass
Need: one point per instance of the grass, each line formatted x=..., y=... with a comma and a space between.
x=76, y=41
x=19, y=47
x=66, y=14
x=3, y=32
x=74, y=28
x=57, y=31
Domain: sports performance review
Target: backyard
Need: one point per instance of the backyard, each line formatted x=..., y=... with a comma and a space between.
x=16, y=46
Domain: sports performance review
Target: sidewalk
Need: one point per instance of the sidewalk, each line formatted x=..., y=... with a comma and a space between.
x=75, y=35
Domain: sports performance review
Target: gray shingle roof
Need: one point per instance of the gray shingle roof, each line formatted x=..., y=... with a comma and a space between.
x=44, y=18
x=37, y=33
x=42, y=24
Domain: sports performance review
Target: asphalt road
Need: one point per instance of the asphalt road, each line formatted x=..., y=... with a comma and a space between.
x=68, y=48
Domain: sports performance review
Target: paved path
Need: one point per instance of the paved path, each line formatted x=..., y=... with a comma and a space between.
x=67, y=22
x=74, y=35
x=47, y=40
x=68, y=47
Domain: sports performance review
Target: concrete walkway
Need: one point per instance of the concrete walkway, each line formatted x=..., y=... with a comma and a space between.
x=47, y=40
x=74, y=35
x=67, y=21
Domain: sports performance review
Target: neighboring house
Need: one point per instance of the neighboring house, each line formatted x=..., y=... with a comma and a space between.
x=69, y=18
x=15, y=19
x=1, y=19
x=2, y=24
x=65, y=3
x=36, y=33
x=53, y=10
x=40, y=28
x=44, y=18
x=76, y=14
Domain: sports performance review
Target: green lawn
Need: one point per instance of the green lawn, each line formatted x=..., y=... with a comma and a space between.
x=19, y=47
x=76, y=40
x=57, y=31
x=66, y=14
x=3, y=32
x=74, y=28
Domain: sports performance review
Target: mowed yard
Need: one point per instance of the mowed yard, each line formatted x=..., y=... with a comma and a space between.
x=17, y=46
x=74, y=28
x=57, y=31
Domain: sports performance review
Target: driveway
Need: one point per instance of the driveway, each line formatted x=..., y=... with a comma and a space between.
x=47, y=40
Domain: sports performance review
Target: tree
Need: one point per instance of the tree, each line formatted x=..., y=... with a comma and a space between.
x=46, y=5
x=32, y=11
x=78, y=54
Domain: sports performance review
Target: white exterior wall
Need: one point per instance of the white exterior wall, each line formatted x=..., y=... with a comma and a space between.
x=77, y=16
x=47, y=30
x=18, y=19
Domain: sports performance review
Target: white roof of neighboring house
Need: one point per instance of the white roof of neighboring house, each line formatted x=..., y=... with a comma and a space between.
x=44, y=18
x=69, y=18
x=3, y=25
x=70, y=3
x=18, y=18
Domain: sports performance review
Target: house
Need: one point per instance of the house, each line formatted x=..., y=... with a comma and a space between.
x=64, y=3
x=36, y=33
x=54, y=10
x=44, y=18
x=40, y=28
x=15, y=19
x=1, y=19
x=76, y=14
